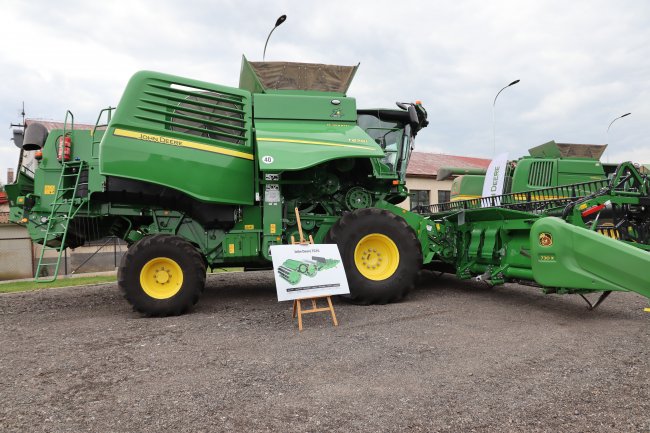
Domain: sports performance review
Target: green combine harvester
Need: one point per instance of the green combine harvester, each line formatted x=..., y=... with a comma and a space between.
x=193, y=174
x=550, y=164
x=292, y=270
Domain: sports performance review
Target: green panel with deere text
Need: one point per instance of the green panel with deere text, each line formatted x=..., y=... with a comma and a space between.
x=184, y=134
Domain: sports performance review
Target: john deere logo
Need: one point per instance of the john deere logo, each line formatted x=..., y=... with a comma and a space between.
x=545, y=239
x=336, y=113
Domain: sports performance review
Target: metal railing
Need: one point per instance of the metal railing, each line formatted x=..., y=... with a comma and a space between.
x=94, y=256
x=527, y=201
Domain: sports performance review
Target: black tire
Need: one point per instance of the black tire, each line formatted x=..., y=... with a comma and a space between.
x=82, y=187
x=353, y=230
x=150, y=259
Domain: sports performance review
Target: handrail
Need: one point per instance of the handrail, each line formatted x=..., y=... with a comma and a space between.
x=65, y=123
x=527, y=201
x=108, y=110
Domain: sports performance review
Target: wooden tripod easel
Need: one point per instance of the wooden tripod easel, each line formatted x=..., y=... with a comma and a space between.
x=297, y=303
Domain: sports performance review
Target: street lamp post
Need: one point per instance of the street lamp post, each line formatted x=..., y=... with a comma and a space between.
x=619, y=117
x=494, y=127
x=610, y=125
x=279, y=21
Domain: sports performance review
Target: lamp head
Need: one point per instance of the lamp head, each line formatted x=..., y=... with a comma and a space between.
x=280, y=20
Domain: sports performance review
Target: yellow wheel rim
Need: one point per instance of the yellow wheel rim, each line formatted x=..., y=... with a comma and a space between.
x=376, y=257
x=161, y=278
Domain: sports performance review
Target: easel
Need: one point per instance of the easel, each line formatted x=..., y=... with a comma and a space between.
x=297, y=303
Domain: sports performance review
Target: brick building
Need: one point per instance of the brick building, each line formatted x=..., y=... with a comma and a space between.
x=422, y=173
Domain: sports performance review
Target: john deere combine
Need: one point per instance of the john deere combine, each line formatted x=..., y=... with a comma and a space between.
x=193, y=174
x=550, y=164
x=292, y=270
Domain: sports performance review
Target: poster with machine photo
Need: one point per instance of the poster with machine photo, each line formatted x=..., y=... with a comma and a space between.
x=308, y=271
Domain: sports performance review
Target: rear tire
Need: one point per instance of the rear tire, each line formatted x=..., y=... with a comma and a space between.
x=162, y=275
x=380, y=252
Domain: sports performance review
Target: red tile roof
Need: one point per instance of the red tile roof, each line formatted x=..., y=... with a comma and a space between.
x=50, y=125
x=3, y=198
x=424, y=164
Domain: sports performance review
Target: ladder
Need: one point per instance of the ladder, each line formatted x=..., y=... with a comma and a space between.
x=64, y=208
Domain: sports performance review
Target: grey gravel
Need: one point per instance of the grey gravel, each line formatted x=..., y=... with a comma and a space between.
x=453, y=357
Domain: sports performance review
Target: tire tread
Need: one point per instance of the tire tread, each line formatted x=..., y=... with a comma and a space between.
x=128, y=270
x=347, y=225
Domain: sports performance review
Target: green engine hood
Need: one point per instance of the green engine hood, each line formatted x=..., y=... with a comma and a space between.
x=299, y=145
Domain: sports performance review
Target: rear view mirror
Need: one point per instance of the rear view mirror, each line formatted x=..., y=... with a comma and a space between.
x=413, y=116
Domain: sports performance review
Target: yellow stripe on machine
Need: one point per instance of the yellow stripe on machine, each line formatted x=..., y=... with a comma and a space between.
x=180, y=143
x=464, y=197
x=540, y=197
x=319, y=143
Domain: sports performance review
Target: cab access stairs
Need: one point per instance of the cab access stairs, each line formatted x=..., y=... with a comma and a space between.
x=65, y=206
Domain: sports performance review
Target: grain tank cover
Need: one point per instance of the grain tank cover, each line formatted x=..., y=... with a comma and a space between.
x=262, y=77
x=568, y=150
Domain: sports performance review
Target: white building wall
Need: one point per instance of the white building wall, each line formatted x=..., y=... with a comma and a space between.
x=15, y=252
x=426, y=184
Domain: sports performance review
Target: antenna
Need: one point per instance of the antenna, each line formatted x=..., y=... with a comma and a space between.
x=22, y=124
x=19, y=131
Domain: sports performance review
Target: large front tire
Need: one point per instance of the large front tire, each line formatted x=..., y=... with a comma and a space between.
x=380, y=252
x=162, y=275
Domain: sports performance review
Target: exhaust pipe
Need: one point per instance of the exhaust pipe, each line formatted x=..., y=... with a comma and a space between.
x=35, y=136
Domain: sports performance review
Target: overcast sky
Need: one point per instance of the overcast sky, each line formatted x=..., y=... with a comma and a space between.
x=581, y=63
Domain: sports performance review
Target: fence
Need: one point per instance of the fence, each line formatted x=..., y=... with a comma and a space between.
x=528, y=201
x=96, y=256
x=19, y=256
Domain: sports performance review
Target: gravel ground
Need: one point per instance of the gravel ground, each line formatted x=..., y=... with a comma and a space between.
x=454, y=357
